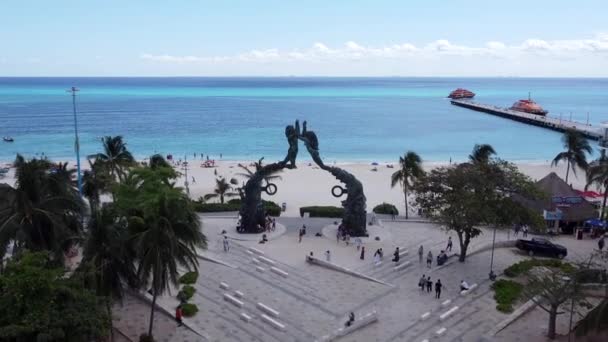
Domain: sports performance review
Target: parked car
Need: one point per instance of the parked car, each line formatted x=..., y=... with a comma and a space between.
x=542, y=247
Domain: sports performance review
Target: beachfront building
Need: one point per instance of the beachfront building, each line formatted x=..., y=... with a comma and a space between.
x=563, y=208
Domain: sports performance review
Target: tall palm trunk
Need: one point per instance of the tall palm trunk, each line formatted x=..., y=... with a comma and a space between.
x=222, y=198
x=109, y=308
x=152, y=313
x=567, y=171
x=604, y=201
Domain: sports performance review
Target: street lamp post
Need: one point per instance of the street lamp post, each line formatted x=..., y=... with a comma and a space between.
x=492, y=275
x=73, y=91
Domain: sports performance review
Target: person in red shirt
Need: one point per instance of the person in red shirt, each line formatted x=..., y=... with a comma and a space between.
x=178, y=316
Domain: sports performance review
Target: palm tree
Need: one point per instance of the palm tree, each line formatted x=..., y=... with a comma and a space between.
x=166, y=234
x=222, y=189
x=481, y=153
x=258, y=165
x=43, y=211
x=411, y=170
x=95, y=182
x=157, y=161
x=107, y=258
x=577, y=147
x=115, y=156
x=597, y=173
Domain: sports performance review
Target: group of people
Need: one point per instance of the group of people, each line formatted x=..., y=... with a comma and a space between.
x=523, y=228
x=426, y=283
x=270, y=223
x=342, y=234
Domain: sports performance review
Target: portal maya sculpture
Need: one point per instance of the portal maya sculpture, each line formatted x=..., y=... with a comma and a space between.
x=252, y=209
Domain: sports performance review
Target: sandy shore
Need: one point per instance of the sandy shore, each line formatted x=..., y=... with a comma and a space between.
x=308, y=185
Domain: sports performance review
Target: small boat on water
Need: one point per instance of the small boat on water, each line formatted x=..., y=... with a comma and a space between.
x=8, y=139
x=528, y=106
x=461, y=93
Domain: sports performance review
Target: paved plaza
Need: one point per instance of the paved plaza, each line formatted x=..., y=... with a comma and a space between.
x=311, y=302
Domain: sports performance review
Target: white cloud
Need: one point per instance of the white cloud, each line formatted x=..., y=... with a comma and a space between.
x=550, y=57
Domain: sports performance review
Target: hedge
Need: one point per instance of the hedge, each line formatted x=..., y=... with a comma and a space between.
x=189, y=309
x=386, y=208
x=188, y=278
x=186, y=293
x=526, y=265
x=506, y=293
x=235, y=205
x=322, y=211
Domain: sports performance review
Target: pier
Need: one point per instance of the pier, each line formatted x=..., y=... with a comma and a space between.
x=555, y=124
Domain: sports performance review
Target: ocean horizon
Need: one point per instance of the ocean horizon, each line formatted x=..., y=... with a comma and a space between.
x=243, y=118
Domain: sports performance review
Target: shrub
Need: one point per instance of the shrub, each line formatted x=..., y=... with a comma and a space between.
x=322, y=211
x=386, y=208
x=506, y=293
x=186, y=293
x=189, y=309
x=188, y=278
x=234, y=205
x=526, y=265
x=215, y=207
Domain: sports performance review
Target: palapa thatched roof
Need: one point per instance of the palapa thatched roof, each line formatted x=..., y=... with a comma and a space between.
x=553, y=186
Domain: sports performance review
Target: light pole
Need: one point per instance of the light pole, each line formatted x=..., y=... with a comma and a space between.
x=185, y=167
x=73, y=90
x=492, y=275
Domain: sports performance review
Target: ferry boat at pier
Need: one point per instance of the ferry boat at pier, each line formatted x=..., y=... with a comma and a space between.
x=529, y=106
x=461, y=93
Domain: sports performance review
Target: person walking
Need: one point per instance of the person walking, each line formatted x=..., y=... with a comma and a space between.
x=178, y=316
x=600, y=243
x=429, y=259
x=377, y=257
x=226, y=244
x=422, y=282
x=438, y=289
x=300, y=234
x=525, y=231
x=396, y=255
x=362, y=257
x=420, y=254
x=328, y=256
x=429, y=284
x=449, y=247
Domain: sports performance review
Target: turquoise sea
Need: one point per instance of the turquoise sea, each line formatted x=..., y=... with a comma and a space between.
x=355, y=119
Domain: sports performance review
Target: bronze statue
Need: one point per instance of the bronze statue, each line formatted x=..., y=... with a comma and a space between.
x=355, y=218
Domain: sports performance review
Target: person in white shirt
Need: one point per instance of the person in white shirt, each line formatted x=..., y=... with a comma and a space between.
x=327, y=256
x=463, y=285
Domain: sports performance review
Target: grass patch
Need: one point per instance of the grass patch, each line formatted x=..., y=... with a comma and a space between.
x=188, y=278
x=526, y=265
x=506, y=293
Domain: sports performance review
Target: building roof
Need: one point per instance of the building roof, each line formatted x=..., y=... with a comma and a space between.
x=553, y=186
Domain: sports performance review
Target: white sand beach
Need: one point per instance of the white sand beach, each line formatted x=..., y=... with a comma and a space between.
x=309, y=185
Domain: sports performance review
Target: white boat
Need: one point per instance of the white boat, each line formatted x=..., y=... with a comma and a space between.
x=8, y=139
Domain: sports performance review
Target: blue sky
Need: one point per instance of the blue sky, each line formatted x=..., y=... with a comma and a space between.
x=343, y=38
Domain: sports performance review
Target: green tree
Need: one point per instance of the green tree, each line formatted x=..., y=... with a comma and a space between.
x=164, y=229
x=577, y=147
x=481, y=153
x=39, y=303
x=549, y=288
x=410, y=171
x=597, y=174
x=222, y=190
x=115, y=156
x=108, y=263
x=42, y=212
x=465, y=196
